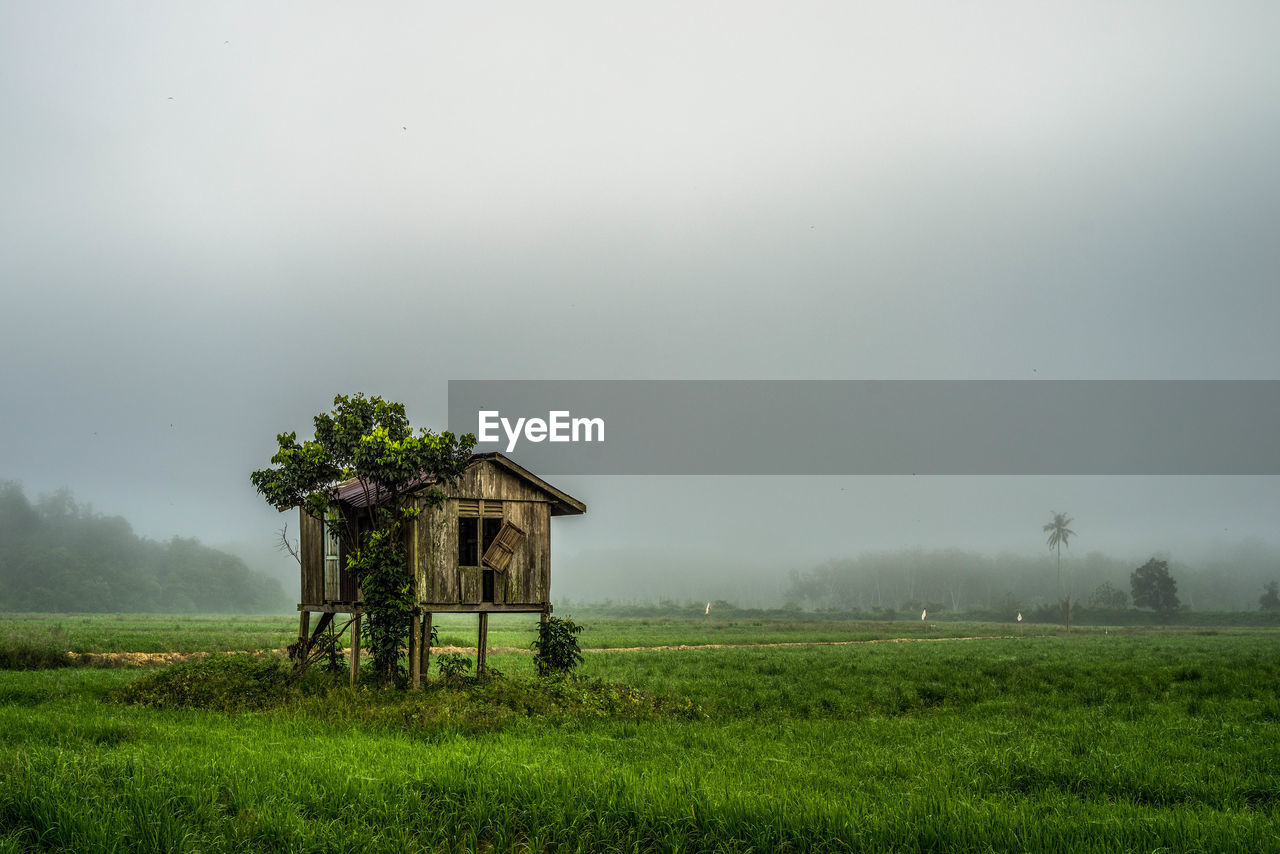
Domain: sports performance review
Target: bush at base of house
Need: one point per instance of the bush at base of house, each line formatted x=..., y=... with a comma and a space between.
x=466, y=704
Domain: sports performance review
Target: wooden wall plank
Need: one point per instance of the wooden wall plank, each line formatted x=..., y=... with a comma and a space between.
x=542, y=556
x=311, y=543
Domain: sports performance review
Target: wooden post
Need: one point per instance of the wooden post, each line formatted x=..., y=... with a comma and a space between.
x=542, y=625
x=298, y=652
x=425, y=647
x=415, y=660
x=484, y=642
x=355, y=650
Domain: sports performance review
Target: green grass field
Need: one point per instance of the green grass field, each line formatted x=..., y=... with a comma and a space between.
x=151, y=633
x=1144, y=740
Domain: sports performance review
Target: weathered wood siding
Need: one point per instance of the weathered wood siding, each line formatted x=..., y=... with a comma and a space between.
x=527, y=580
x=528, y=577
x=436, y=539
x=488, y=481
x=311, y=544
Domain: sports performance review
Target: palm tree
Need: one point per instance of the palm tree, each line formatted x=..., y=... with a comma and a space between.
x=1059, y=533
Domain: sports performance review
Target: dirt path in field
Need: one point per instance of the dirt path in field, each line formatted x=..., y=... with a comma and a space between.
x=791, y=643
x=160, y=659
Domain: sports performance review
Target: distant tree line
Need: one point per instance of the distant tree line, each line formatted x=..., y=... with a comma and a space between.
x=1002, y=586
x=57, y=555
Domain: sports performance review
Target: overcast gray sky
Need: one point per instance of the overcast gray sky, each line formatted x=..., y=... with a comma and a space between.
x=215, y=217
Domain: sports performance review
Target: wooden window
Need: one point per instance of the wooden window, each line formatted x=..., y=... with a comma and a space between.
x=468, y=540
x=478, y=525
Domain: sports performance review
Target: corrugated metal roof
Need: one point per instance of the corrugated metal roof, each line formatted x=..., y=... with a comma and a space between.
x=358, y=492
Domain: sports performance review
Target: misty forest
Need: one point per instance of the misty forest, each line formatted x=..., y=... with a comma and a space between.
x=59, y=555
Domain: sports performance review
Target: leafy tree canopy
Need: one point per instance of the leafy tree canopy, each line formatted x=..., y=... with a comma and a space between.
x=1270, y=598
x=1108, y=597
x=1153, y=587
x=366, y=438
x=369, y=440
x=1059, y=533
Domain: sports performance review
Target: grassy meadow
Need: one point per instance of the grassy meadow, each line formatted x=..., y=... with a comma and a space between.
x=1141, y=740
x=152, y=633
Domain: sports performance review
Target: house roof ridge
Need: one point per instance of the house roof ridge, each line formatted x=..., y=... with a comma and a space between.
x=353, y=490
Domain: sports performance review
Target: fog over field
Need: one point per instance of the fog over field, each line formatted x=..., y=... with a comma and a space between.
x=217, y=218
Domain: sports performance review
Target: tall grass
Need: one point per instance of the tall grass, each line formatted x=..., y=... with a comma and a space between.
x=1090, y=743
x=34, y=647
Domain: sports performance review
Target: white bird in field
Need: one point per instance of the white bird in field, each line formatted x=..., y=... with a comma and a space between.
x=708, y=611
x=923, y=613
x=1019, y=616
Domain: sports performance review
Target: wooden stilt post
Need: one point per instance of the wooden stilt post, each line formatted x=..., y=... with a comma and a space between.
x=425, y=646
x=298, y=652
x=415, y=660
x=542, y=624
x=483, y=647
x=355, y=650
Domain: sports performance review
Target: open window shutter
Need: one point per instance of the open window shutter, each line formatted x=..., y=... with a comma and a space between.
x=499, y=552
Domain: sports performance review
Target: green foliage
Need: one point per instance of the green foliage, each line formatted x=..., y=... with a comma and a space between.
x=1270, y=598
x=222, y=682
x=1153, y=587
x=1058, y=531
x=369, y=440
x=453, y=666
x=387, y=586
x=1108, y=598
x=57, y=555
x=556, y=650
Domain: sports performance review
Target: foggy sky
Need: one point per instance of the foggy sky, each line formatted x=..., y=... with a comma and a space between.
x=215, y=218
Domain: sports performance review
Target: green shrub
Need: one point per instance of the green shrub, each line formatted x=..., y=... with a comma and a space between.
x=453, y=666
x=224, y=682
x=556, y=649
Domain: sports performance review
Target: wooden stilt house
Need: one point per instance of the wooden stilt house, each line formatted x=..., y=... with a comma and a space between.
x=486, y=549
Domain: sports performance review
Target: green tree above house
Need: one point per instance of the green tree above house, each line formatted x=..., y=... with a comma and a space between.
x=369, y=441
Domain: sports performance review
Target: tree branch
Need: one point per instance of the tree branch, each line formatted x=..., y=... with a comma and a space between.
x=287, y=545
